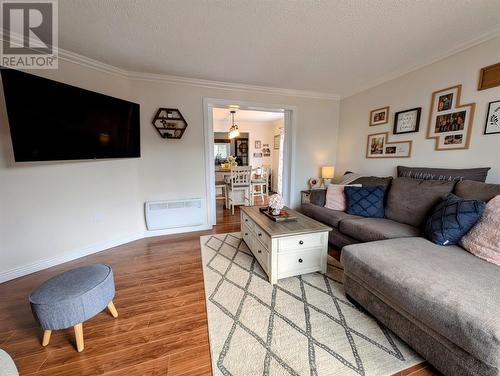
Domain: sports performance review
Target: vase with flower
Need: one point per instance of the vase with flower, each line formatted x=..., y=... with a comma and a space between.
x=276, y=204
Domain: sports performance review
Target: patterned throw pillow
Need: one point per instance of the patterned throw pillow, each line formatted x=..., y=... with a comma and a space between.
x=335, y=196
x=483, y=240
x=452, y=218
x=365, y=201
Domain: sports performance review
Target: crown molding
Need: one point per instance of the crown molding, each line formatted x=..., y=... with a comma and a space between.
x=465, y=45
x=81, y=60
x=87, y=62
x=231, y=86
x=178, y=80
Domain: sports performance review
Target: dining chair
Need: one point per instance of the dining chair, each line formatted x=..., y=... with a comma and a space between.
x=260, y=179
x=239, y=186
x=222, y=185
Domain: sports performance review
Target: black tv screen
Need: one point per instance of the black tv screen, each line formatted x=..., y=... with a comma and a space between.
x=52, y=121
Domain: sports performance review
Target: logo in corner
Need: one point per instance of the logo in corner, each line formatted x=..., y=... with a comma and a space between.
x=29, y=34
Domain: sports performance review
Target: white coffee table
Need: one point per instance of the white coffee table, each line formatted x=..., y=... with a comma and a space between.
x=285, y=249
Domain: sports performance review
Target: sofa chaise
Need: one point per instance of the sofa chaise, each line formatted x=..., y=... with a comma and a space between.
x=443, y=301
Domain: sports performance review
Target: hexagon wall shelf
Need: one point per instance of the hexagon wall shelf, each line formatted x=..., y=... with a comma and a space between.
x=169, y=123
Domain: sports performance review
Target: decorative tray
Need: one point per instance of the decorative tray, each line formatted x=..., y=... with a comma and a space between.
x=284, y=216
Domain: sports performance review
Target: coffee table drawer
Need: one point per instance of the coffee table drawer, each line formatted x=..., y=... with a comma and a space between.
x=262, y=236
x=245, y=220
x=294, y=243
x=261, y=253
x=247, y=236
x=294, y=263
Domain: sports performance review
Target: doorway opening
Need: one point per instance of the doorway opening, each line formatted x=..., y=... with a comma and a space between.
x=250, y=140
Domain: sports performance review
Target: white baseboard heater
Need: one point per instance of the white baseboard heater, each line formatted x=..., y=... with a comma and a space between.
x=161, y=215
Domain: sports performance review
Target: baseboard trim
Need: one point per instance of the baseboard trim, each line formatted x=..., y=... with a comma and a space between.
x=42, y=264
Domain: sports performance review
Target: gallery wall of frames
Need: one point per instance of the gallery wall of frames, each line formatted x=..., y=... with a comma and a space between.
x=450, y=121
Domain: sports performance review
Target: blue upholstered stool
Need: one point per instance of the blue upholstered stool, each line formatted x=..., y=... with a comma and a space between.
x=70, y=298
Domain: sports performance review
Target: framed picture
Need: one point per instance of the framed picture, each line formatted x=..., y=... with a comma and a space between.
x=407, y=121
x=493, y=119
x=257, y=144
x=265, y=145
x=266, y=152
x=378, y=146
x=489, y=77
x=257, y=155
x=276, y=142
x=379, y=116
x=450, y=122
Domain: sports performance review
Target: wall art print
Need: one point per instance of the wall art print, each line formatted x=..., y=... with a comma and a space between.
x=378, y=146
x=407, y=121
x=379, y=116
x=450, y=122
x=493, y=118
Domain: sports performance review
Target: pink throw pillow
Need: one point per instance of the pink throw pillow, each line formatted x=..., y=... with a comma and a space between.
x=483, y=240
x=335, y=196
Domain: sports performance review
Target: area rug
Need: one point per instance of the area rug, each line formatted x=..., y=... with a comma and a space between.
x=302, y=326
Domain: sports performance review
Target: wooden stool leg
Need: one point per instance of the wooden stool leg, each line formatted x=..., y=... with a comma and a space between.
x=46, y=337
x=112, y=309
x=79, y=337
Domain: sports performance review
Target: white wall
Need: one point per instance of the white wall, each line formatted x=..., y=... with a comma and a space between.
x=257, y=130
x=50, y=210
x=53, y=212
x=277, y=125
x=415, y=90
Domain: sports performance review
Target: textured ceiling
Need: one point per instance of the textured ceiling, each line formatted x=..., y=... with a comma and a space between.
x=337, y=47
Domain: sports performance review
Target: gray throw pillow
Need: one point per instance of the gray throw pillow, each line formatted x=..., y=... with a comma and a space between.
x=318, y=197
x=476, y=190
x=425, y=173
x=373, y=181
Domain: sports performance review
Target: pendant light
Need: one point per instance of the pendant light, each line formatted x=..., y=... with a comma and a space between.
x=233, y=130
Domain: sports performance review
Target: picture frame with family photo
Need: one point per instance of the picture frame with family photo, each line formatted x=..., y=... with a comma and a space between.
x=379, y=116
x=450, y=121
x=378, y=146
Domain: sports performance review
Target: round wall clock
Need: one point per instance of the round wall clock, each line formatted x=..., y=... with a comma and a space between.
x=243, y=148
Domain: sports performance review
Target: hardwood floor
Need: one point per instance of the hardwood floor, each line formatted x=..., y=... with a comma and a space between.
x=162, y=324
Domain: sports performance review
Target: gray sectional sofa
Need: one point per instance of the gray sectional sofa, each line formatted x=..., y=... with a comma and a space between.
x=443, y=301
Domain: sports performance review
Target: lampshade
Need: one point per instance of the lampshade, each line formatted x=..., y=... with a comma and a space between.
x=234, y=132
x=327, y=172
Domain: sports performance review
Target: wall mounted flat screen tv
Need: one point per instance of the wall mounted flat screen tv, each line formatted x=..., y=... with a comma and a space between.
x=52, y=121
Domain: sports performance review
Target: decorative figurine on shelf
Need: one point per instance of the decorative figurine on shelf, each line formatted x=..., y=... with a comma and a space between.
x=232, y=160
x=276, y=203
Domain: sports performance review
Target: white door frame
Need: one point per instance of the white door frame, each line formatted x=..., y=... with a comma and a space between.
x=290, y=125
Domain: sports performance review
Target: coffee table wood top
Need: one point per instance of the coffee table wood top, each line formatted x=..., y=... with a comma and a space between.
x=303, y=224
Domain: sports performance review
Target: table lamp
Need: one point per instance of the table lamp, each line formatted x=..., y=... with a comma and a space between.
x=327, y=173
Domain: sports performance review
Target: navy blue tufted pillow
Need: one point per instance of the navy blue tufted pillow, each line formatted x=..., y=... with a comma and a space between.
x=452, y=218
x=365, y=201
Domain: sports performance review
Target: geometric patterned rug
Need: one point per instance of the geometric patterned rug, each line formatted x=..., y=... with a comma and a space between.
x=303, y=325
